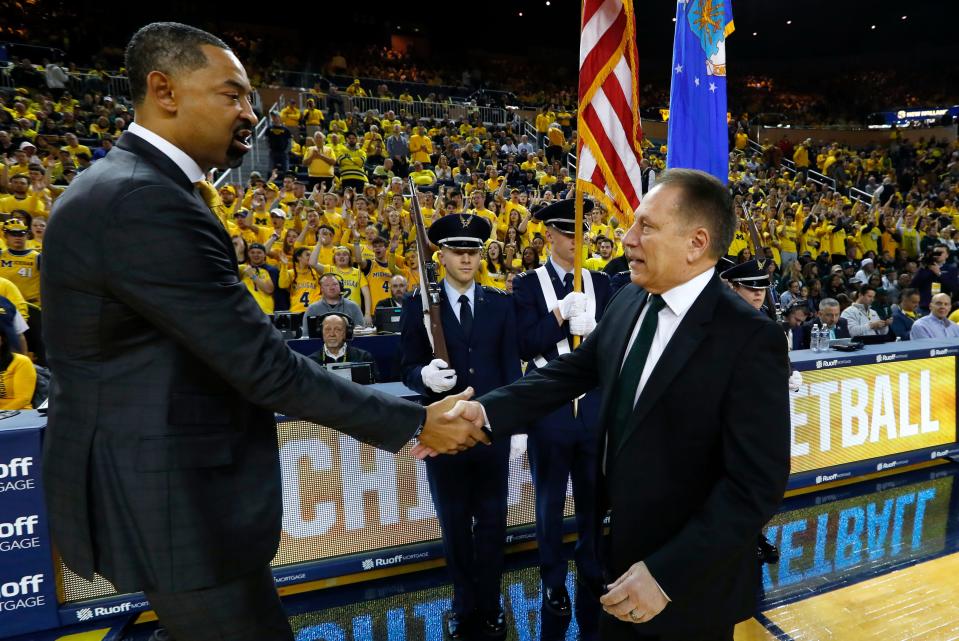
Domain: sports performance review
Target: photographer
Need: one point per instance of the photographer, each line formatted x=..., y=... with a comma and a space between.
x=934, y=276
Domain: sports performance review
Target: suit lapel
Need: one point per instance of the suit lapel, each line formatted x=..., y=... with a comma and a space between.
x=628, y=317
x=626, y=321
x=138, y=146
x=679, y=350
x=479, y=308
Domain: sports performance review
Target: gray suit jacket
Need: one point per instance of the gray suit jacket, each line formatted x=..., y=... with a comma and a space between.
x=160, y=457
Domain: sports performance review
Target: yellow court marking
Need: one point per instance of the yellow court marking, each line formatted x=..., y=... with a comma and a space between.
x=752, y=630
x=92, y=635
x=919, y=603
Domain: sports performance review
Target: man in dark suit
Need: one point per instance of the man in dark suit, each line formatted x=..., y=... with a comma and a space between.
x=793, y=318
x=562, y=445
x=160, y=457
x=904, y=315
x=469, y=491
x=337, y=332
x=829, y=317
x=695, y=418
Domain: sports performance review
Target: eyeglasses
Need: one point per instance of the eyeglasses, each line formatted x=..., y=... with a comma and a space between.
x=16, y=233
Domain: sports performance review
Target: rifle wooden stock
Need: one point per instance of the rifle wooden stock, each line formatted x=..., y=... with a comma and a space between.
x=772, y=304
x=429, y=288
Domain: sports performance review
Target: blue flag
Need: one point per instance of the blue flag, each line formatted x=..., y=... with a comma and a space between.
x=698, y=137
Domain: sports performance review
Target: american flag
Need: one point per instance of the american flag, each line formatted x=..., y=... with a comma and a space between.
x=608, y=123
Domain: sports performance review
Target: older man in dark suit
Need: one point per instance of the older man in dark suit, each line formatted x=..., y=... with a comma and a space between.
x=160, y=463
x=694, y=417
x=829, y=318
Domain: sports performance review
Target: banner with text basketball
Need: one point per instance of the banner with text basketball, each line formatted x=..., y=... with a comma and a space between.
x=861, y=412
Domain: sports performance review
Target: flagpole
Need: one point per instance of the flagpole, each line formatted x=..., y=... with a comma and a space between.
x=578, y=218
x=578, y=225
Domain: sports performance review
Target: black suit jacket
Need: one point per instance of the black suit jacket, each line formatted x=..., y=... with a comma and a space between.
x=353, y=355
x=160, y=456
x=842, y=330
x=706, y=457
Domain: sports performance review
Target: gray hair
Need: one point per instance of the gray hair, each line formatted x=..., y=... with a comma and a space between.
x=828, y=302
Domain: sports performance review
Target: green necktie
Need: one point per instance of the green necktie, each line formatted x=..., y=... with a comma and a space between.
x=625, y=395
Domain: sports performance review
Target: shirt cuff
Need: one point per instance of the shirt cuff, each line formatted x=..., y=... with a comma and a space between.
x=666, y=596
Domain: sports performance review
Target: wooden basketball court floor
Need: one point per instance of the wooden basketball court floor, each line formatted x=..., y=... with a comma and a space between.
x=874, y=560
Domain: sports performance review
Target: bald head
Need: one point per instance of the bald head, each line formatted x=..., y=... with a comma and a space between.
x=398, y=287
x=940, y=305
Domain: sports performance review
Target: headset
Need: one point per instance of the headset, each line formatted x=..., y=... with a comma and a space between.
x=338, y=278
x=349, y=323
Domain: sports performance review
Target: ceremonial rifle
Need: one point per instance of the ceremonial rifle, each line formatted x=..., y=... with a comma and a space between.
x=429, y=288
x=773, y=307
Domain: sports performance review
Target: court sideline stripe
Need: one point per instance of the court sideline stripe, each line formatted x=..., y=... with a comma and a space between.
x=772, y=628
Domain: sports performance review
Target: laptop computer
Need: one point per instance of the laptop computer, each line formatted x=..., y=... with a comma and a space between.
x=387, y=320
x=361, y=373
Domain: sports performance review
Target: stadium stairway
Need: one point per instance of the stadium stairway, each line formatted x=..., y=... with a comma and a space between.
x=258, y=159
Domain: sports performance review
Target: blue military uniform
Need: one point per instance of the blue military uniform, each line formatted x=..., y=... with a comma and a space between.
x=753, y=274
x=469, y=489
x=561, y=444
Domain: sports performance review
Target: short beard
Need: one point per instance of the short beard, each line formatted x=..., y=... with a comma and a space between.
x=234, y=160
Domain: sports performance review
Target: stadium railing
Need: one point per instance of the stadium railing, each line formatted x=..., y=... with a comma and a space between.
x=531, y=134
x=786, y=164
x=821, y=179
x=861, y=196
x=417, y=109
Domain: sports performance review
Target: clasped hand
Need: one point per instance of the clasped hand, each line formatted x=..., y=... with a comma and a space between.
x=438, y=376
x=453, y=424
x=582, y=324
x=634, y=597
x=450, y=426
x=573, y=304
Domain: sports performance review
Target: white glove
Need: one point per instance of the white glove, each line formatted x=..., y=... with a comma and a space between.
x=574, y=303
x=517, y=446
x=795, y=381
x=438, y=376
x=582, y=325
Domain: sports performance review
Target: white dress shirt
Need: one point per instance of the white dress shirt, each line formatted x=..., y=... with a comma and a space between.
x=453, y=297
x=678, y=301
x=559, y=271
x=186, y=164
x=340, y=354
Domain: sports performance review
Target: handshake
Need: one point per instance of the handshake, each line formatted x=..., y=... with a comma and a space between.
x=573, y=309
x=453, y=424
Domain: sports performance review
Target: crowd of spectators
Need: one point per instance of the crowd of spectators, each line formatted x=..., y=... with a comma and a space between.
x=882, y=246
x=47, y=137
x=331, y=226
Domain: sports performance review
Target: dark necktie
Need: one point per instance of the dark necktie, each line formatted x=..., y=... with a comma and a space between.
x=632, y=372
x=466, y=315
x=568, y=283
